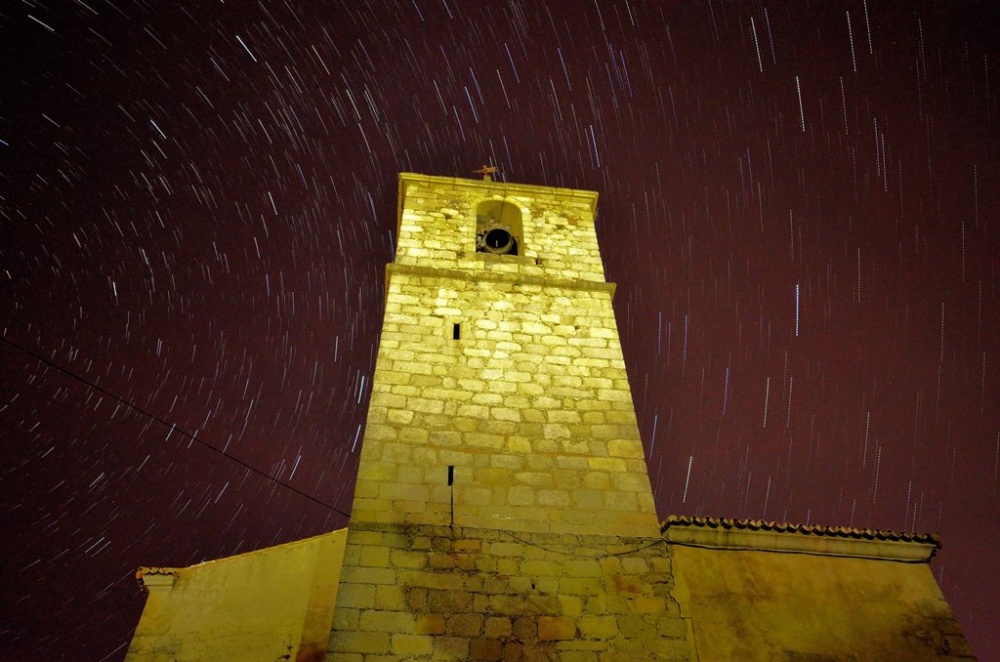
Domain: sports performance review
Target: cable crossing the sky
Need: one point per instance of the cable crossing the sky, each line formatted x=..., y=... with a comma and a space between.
x=173, y=427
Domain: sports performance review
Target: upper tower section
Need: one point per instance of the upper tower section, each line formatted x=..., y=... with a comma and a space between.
x=500, y=398
x=470, y=225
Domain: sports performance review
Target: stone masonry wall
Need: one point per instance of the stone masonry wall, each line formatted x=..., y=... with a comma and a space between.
x=436, y=592
x=530, y=406
x=437, y=228
x=503, y=508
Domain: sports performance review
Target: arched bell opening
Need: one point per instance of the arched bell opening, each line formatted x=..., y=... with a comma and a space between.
x=499, y=230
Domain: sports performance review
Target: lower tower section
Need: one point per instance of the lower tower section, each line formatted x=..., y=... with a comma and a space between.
x=469, y=593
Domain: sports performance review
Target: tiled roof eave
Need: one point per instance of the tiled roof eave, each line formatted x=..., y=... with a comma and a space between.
x=743, y=534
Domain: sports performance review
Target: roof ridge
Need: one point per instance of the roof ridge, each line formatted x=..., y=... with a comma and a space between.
x=804, y=529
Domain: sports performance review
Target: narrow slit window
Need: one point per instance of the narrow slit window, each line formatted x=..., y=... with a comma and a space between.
x=456, y=331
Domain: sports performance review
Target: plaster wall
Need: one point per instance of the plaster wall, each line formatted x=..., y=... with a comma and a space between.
x=271, y=604
x=767, y=605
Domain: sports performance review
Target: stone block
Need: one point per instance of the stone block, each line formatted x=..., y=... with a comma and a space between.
x=556, y=431
x=521, y=495
x=497, y=627
x=630, y=482
x=525, y=628
x=394, y=453
x=563, y=416
x=509, y=566
x=582, y=568
x=345, y=657
x=406, y=645
x=571, y=605
x=634, y=566
x=436, y=580
x=485, y=649
x=374, y=557
x=541, y=568
x=474, y=496
x=631, y=448
x=388, y=597
x=508, y=605
x=540, y=462
x=364, y=575
x=534, y=478
x=597, y=480
x=598, y=627
x=449, y=602
x=450, y=648
x=588, y=500
x=554, y=498
x=672, y=627
x=416, y=599
x=380, y=432
x=583, y=586
x=356, y=595
x=675, y=650
x=439, y=561
x=502, y=461
x=555, y=628
x=620, y=501
x=572, y=462
x=359, y=642
x=465, y=625
x=634, y=626
x=429, y=624
x=386, y=621
x=345, y=618
x=407, y=559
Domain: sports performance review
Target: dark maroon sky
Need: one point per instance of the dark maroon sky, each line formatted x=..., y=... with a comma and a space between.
x=798, y=201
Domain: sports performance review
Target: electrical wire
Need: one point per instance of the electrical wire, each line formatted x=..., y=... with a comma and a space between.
x=172, y=426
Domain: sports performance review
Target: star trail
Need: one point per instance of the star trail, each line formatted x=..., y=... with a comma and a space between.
x=798, y=202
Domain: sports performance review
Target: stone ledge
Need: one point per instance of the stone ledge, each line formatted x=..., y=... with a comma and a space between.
x=498, y=277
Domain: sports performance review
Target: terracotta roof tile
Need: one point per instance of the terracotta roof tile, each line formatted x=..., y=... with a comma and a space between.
x=804, y=529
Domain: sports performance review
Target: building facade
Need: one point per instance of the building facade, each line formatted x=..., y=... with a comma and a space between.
x=503, y=508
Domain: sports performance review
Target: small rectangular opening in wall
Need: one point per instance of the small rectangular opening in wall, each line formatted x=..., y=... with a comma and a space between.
x=456, y=331
x=451, y=474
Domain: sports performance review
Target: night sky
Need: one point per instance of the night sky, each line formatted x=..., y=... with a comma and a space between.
x=798, y=202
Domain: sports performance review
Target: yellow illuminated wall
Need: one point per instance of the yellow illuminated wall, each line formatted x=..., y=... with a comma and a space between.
x=271, y=604
x=500, y=397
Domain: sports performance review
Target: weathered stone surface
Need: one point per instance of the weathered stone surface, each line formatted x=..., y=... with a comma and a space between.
x=513, y=598
x=551, y=628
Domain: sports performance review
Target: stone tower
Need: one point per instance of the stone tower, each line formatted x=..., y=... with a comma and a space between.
x=502, y=500
x=500, y=398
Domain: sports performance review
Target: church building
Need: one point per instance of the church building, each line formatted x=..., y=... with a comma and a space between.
x=503, y=508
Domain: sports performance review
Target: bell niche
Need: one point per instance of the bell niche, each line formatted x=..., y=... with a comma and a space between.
x=499, y=229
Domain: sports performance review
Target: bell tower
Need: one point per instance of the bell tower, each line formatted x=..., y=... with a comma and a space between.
x=503, y=508
x=500, y=398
